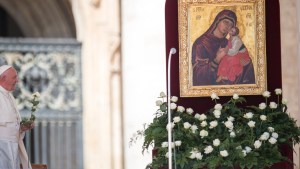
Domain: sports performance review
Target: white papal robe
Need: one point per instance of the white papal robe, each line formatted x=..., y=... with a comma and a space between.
x=12, y=149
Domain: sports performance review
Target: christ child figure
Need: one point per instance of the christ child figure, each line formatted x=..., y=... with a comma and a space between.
x=237, y=56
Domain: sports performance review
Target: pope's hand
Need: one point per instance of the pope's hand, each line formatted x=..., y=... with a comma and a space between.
x=24, y=127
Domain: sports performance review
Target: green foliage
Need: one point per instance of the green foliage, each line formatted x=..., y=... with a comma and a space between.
x=250, y=137
x=34, y=102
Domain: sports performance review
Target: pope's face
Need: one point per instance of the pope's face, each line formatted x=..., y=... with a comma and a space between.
x=11, y=79
x=224, y=26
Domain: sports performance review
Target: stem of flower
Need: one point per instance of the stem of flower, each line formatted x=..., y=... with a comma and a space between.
x=252, y=134
x=260, y=126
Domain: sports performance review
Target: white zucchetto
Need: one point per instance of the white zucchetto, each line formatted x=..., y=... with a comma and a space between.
x=3, y=68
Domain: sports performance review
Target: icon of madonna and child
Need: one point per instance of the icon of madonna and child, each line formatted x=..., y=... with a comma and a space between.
x=217, y=60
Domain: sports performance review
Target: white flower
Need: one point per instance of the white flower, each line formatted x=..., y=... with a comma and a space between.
x=193, y=153
x=167, y=155
x=262, y=106
x=172, y=144
x=173, y=106
x=159, y=112
x=244, y=152
x=229, y=124
x=203, y=133
x=284, y=101
x=232, y=134
x=176, y=119
x=162, y=94
x=273, y=105
x=217, y=113
x=214, y=96
x=202, y=117
x=208, y=149
x=235, y=96
x=248, y=115
x=177, y=143
x=251, y=124
x=263, y=117
x=275, y=135
x=248, y=149
x=194, y=128
x=272, y=140
x=197, y=116
x=36, y=94
x=190, y=111
x=230, y=118
x=278, y=91
x=199, y=156
x=187, y=125
x=216, y=142
x=164, y=144
x=180, y=109
x=213, y=124
x=218, y=107
x=168, y=126
x=203, y=124
x=264, y=136
x=257, y=144
x=224, y=153
x=174, y=99
x=158, y=102
x=271, y=129
x=266, y=94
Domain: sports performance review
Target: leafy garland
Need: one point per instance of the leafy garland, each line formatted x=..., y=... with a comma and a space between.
x=225, y=136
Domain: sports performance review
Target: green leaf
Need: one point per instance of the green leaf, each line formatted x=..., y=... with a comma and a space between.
x=163, y=107
x=157, y=130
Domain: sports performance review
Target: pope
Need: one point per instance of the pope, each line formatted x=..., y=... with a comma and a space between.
x=12, y=149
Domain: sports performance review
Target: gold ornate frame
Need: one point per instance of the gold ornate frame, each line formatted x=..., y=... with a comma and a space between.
x=198, y=14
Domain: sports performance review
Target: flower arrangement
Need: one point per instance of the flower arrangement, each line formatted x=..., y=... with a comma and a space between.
x=34, y=101
x=226, y=136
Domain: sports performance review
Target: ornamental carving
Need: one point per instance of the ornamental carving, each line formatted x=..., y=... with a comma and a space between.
x=53, y=71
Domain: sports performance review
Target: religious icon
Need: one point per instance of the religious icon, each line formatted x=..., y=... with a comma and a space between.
x=222, y=47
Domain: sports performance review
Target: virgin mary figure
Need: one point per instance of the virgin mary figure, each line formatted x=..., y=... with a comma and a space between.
x=209, y=49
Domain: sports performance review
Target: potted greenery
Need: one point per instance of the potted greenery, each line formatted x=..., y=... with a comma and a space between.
x=229, y=135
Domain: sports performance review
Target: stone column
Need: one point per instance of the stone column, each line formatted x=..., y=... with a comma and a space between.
x=290, y=59
x=98, y=28
x=297, y=114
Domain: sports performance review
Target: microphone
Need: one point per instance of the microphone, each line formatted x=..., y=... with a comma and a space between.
x=172, y=51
